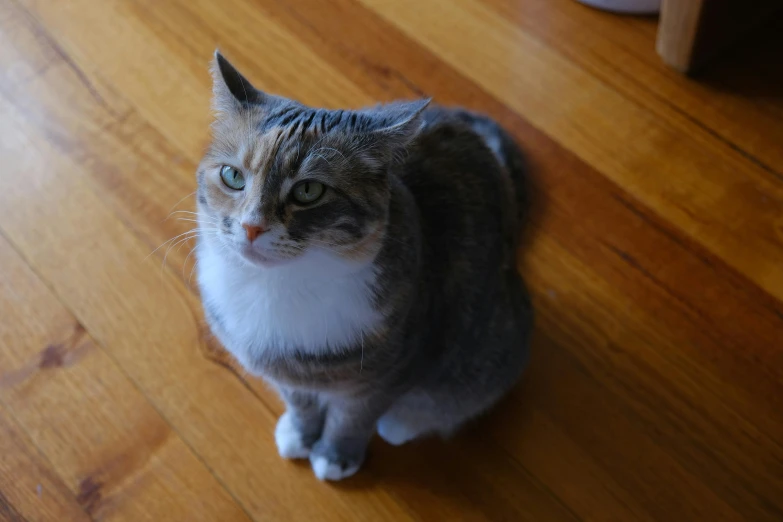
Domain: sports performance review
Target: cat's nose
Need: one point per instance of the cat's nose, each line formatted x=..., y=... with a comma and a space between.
x=253, y=231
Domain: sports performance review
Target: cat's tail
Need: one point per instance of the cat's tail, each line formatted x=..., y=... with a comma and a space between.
x=505, y=148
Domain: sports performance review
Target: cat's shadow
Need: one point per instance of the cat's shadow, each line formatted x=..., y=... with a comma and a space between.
x=424, y=476
x=442, y=478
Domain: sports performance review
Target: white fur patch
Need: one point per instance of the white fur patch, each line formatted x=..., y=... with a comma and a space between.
x=289, y=440
x=315, y=303
x=326, y=470
x=393, y=432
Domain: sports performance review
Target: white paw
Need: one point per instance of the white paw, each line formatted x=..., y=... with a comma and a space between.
x=325, y=469
x=393, y=432
x=289, y=440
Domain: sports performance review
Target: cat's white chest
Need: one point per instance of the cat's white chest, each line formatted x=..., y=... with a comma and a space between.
x=317, y=303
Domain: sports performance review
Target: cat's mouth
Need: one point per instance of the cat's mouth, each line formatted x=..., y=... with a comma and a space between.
x=253, y=256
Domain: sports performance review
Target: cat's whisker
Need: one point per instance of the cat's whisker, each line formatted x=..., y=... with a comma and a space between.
x=167, y=241
x=199, y=219
x=183, y=199
x=192, y=271
x=178, y=203
x=183, y=212
x=190, y=220
x=184, y=238
x=179, y=242
x=185, y=263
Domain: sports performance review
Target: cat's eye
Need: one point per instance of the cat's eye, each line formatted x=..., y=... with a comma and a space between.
x=308, y=192
x=232, y=178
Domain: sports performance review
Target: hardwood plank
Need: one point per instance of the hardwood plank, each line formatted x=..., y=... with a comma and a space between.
x=619, y=50
x=152, y=54
x=614, y=438
x=30, y=491
x=494, y=487
x=721, y=344
x=572, y=473
x=117, y=456
x=657, y=353
x=695, y=185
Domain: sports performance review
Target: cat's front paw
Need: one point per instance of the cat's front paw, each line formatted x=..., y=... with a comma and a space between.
x=289, y=439
x=330, y=464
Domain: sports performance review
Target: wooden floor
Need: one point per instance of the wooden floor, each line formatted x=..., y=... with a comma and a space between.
x=655, y=391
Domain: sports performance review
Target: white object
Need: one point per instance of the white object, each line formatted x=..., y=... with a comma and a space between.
x=626, y=6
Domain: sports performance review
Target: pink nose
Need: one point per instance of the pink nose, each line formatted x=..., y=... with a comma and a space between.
x=253, y=231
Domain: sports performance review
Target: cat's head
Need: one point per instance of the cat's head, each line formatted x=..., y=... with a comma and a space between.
x=281, y=179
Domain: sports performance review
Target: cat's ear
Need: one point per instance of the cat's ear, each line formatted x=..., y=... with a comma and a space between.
x=230, y=90
x=399, y=120
x=394, y=126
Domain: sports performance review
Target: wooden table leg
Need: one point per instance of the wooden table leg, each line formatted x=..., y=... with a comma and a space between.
x=691, y=32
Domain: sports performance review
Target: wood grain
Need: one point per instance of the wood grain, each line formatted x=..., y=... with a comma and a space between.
x=31, y=490
x=116, y=454
x=654, y=257
x=620, y=55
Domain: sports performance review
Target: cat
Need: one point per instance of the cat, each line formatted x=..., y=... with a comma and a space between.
x=363, y=263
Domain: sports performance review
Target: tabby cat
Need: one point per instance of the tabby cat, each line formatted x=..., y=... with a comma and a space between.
x=363, y=263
